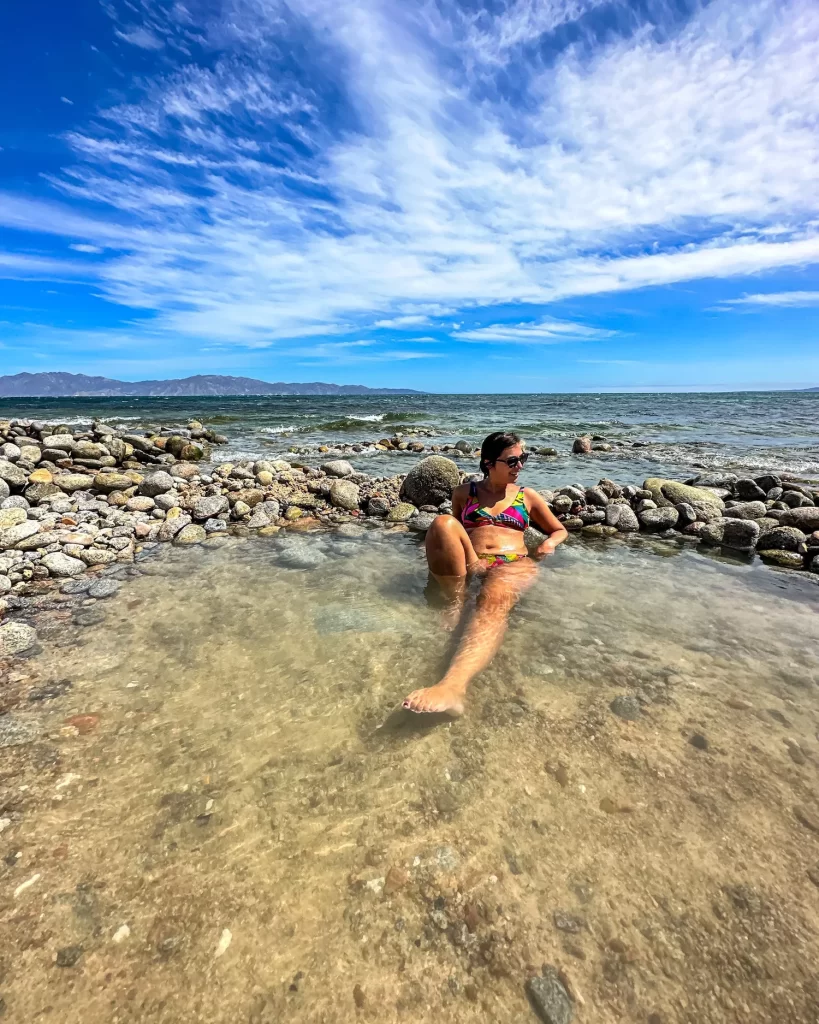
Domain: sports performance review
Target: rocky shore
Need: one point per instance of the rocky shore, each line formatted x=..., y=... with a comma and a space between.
x=77, y=507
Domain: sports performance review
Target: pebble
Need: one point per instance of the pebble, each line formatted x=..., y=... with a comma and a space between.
x=699, y=741
x=566, y=922
x=224, y=941
x=121, y=933
x=627, y=707
x=549, y=997
x=68, y=956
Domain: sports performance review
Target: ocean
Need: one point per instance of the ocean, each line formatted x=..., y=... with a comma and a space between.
x=744, y=432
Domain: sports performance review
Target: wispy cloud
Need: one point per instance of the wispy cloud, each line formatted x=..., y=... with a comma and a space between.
x=776, y=299
x=366, y=165
x=543, y=332
x=65, y=99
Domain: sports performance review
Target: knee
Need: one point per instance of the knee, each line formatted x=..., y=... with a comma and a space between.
x=444, y=524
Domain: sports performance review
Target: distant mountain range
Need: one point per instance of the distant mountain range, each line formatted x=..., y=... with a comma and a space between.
x=78, y=385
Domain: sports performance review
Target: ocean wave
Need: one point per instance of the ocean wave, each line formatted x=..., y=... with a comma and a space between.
x=292, y=429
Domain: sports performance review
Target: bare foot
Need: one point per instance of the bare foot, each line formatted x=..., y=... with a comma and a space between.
x=444, y=698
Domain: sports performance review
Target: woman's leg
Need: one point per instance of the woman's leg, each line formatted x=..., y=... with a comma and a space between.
x=481, y=640
x=449, y=556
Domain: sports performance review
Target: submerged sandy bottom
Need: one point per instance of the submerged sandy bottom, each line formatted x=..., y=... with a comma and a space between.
x=283, y=848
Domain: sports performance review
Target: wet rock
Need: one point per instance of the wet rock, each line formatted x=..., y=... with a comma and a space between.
x=107, y=483
x=88, y=617
x=566, y=922
x=17, y=731
x=809, y=818
x=699, y=741
x=422, y=522
x=345, y=494
x=101, y=589
x=623, y=518
x=659, y=518
x=671, y=492
x=740, y=534
x=16, y=637
x=50, y=692
x=784, y=538
x=98, y=556
x=430, y=481
x=401, y=513
x=549, y=998
x=785, y=559
x=749, y=490
x=581, y=445
x=68, y=956
x=61, y=566
x=547, y=451
x=192, y=533
x=627, y=706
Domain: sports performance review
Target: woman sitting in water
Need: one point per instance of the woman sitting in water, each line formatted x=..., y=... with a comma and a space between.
x=484, y=535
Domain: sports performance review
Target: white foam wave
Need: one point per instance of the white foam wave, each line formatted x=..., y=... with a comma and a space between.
x=279, y=430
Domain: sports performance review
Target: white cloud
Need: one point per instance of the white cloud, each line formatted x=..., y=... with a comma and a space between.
x=544, y=332
x=432, y=159
x=84, y=247
x=65, y=99
x=776, y=299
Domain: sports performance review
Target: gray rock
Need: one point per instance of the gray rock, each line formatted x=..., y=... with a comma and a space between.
x=16, y=637
x=344, y=494
x=783, y=538
x=10, y=451
x=35, y=493
x=627, y=706
x=430, y=481
x=590, y=516
x=215, y=526
x=301, y=555
x=378, y=506
x=804, y=519
x=98, y=556
x=156, y=484
x=740, y=534
x=768, y=481
x=70, y=482
x=463, y=446
x=12, y=475
x=549, y=998
x=659, y=518
x=715, y=479
x=5, y=490
x=190, y=534
x=14, y=534
x=170, y=527
x=746, y=510
x=210, y=506
x=422, y=522
x=596, y=496
x=338, y=467
x=103, y=588
x=688, y=514
x=12, y=517
x=15, y=501
x=5, y=584
x=61, y=566
x=166, y=501
x=15, y=732
x=749, y=490
x=63, y=442
x=140, y=503
x=75, y=586
x=259, y=517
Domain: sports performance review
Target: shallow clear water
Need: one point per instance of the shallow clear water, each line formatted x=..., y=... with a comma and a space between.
x=283, y=845
x=743, y=431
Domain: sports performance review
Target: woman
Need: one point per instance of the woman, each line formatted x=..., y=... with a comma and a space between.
x=484, y=535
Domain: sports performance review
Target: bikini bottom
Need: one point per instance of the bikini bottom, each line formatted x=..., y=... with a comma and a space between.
x=493, y=560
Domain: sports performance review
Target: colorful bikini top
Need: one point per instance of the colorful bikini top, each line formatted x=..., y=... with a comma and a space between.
x=515, y=517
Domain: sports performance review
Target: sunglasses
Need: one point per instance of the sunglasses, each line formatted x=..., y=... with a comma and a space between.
x=515, y=460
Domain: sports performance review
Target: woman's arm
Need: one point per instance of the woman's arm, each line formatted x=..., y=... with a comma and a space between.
x=459, y=494
x=546, y=521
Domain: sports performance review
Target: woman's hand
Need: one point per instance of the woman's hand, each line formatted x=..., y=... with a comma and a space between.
x=544, y=549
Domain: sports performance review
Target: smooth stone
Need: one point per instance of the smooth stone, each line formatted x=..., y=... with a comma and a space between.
x=60, y=565
x=785, y=559
x=430, y=481
x=740, y=534
x=210, y=506
x=14, y=534
x=746, y=510
x=140, y=503
x=581, y=445
x=338, y=467
x=75, y=586
x=98, y=556
x=190, y=534
x=804, y=519
x=659, y=518
x=13, y=475
x=401, y=513
x=156, y=483
x=785, y=538
x=12, y=517
x=70, y=482
x=422, y=522
x=345, y=494
x=16, y=637
x=108, y=482
x=549, y=997
x=212, y=526
x=627, y=707
x=100, y=589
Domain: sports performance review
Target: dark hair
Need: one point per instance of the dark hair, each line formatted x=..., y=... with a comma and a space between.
x=493, y=445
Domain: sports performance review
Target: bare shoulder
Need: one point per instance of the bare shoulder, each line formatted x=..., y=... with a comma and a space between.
x=531, y=495
x=461, y=491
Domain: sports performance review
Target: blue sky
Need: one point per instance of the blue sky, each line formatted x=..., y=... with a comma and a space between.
x=460, y=195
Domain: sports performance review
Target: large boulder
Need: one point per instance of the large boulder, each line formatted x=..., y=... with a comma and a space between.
x=430, y=482
x=667, y=493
